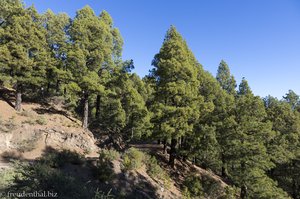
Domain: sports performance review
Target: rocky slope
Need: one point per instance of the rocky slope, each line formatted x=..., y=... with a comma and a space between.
x=27, y=134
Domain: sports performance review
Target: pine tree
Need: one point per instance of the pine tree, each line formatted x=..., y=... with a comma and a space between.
x=225, y=79
x=176, y=91
x=250, y=155
x=57, y=39
x=23, y=45
x=112, y=43
x=284, y=148
x=87, y=55
x=124, y=113
x=292, y=99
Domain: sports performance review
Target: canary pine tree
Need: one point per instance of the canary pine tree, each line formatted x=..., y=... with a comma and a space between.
x=86, y=55
x=57, y=39
x=225, y=79
x=23, y=48
x=175, y=71
x=251, y=159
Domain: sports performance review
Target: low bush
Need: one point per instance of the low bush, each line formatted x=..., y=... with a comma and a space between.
x=57, y=159
x=26, y=113
x=39, y=176
x=104, y=166
x=203, y=186
x=109, y=154
x=155, y=171
x=6, y=178
x=11, y=124
x=133, y=159
x=102, y=195
x=41, y=120
x=194, y=186
x=29, y=121
x=28, y=144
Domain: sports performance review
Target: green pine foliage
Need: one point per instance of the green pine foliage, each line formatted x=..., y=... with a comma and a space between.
x=252, y=143
x=176, y=96
x=23, y=48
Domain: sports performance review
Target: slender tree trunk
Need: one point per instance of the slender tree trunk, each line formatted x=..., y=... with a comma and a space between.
x=57, y=86
x=18, y=98
x=165, y=146
x=294, y=187
x=224, y=171
x=244, y=187
x=98, y=100
x=243, y=192
x=48, y=87
x=158, y=141
x=173, y=152
x=294, y=183
x=85, y=112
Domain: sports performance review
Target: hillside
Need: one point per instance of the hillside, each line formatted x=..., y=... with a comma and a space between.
x=28, y=135
x=76, y=120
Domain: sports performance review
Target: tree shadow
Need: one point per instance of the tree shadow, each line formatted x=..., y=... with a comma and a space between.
x=7, y=95
x=134, y=186
x=65, y=173
x=47, y=109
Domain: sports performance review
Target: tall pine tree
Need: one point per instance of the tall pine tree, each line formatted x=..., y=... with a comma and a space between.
x=23, y=48
x=176, y=89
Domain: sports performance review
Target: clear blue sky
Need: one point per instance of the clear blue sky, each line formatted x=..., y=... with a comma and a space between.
x=259, y=39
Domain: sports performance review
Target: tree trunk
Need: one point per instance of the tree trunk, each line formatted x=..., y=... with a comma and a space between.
x=165, y=146
x=294, y=187
x=57, y=86
x=243, y=192
x=158, y=141
x=224, y=171
x=48, y=87
x=18, y=98
x=98, y=106
x=244, y=187
x=173, y=152
x=85, y=112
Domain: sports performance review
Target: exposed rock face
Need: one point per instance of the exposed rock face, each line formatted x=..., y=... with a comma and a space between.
x=29, y=139
x=5, y=139
x=82, y=141
x=35, y=128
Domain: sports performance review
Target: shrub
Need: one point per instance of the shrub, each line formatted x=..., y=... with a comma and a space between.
x=11, y=124
x=133, y=159
x=28, y=144
x=109, y=154
x=6, y=177
x=29, y=121
x=39, y=176
x=203, y=186
x=25, y=113
x=211, y=187
x=230, y=192
x=155, y=171
x=186, y=194
x=104, y=170
x=57, y=159
x=103, y=195
x=193, y=185
x=41, y=120
x=153, y=168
